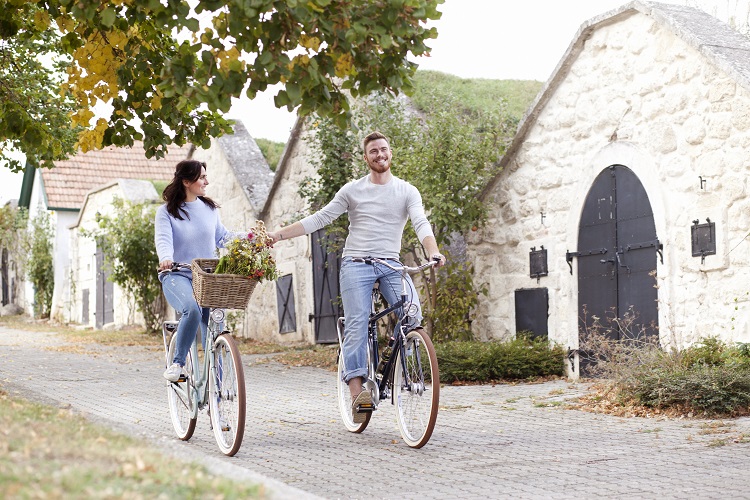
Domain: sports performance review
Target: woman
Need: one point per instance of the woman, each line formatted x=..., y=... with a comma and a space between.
x=187, y=227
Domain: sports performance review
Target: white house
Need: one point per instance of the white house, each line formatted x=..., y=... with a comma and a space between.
x=239, y=180
x=93, y=299
x=61, y=192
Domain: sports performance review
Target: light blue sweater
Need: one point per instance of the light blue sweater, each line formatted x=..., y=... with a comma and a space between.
x=196, y=237
x=377, y=216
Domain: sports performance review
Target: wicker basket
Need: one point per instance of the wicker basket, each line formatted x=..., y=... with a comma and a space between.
x=226, y=291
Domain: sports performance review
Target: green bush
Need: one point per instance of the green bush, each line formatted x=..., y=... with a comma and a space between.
x=709, y=378
x=519, y=359
x=711, y=390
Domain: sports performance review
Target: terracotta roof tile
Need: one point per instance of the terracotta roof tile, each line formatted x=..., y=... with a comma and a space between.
x=66, y=185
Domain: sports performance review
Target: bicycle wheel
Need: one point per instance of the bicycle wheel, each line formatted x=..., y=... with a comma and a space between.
x=345, y=401
x=182, y=397
x=227, y=402
x=417, y=391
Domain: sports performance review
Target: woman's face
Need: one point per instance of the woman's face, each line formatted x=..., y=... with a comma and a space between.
x=196, y=188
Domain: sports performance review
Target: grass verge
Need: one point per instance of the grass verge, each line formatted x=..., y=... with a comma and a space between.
x=47, y=452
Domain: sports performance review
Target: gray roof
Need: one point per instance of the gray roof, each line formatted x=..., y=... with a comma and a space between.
x=723, y=46
x=248, y=163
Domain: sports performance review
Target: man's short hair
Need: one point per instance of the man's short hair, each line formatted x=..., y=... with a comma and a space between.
x=373, y=136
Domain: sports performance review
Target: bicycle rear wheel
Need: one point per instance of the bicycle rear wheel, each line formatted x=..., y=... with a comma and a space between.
x=227, y=398
x=182, y=397
x=417, y=391
x=345, y=401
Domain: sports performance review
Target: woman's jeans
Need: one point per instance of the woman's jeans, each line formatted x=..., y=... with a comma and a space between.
x=356, y=281
x=178, y=290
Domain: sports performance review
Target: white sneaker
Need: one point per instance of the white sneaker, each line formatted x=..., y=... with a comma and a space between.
x=173, y=372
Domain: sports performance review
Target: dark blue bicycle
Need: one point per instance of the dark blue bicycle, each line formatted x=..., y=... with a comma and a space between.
x=408, y=373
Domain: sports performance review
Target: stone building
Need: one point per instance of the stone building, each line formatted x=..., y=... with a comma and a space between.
x=294, y=309
x=624, y=194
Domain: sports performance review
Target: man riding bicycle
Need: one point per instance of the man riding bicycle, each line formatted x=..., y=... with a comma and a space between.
x=378, y=205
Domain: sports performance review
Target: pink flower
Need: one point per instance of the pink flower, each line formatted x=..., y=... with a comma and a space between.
x=250, y=235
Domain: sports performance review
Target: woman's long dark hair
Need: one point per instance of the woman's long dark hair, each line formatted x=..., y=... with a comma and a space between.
x=175, y=195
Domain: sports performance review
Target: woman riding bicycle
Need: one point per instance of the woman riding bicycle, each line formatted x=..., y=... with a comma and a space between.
x=187, y=227
x=378, y=206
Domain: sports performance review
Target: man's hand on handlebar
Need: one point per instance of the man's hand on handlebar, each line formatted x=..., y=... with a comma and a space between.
x=439, y=258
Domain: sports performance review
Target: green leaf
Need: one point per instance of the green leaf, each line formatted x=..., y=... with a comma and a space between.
x=108, y=17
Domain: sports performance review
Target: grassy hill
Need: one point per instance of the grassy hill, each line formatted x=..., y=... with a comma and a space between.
x=474, y=93
x=479, y=93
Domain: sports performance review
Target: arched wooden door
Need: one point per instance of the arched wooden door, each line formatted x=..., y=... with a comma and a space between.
x=617, y=248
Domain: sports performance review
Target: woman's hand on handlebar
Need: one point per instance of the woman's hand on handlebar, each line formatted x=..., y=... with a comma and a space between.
x=165, y=265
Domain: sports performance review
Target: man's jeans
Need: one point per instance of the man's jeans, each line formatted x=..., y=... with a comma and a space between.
x=356, y=281
x=178, y=290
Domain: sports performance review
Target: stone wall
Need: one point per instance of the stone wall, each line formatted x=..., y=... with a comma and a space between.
x=292, y=256
x=637, y=96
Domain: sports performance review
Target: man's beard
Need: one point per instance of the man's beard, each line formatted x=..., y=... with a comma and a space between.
x=380, y=169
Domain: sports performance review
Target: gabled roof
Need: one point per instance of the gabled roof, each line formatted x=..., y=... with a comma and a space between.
x=66, y=185
x=282, y=167
x=248, y=163
x=723, y=46
x=131, y=190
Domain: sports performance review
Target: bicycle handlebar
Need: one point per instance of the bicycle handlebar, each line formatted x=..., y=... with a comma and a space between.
x=408, y=269
x=176, y=266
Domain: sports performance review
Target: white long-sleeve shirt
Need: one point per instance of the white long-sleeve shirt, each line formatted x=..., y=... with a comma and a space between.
x=377, y=216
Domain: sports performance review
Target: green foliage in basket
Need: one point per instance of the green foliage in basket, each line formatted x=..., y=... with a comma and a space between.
x=249, y=256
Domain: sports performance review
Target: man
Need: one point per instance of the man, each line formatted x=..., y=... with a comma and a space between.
x=378, y=205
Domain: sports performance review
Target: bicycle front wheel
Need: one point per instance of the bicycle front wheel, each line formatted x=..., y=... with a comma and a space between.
x=345, y=401
x=417, y=390
x=227, y=395
x=181, y=396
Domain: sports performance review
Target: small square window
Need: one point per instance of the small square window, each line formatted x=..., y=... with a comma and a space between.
x=538, y=262
x=703, y=238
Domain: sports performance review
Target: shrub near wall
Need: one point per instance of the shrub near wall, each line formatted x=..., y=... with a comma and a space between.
x=519, y=359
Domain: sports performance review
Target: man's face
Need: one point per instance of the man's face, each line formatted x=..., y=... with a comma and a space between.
x=378, y=156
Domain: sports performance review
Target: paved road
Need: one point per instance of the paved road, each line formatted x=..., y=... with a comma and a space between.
x=503, y=441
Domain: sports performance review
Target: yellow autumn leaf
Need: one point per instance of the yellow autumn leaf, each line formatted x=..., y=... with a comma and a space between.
x=156, y=103
x=344, y=65
x=65, y=24
x=309, y=42
x=41, y=20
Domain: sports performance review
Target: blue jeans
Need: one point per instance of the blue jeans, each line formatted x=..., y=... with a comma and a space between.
x=178, y=290
x=356, y=280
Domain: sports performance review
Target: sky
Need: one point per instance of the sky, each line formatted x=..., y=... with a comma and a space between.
x=505, y=40
x=518, y=40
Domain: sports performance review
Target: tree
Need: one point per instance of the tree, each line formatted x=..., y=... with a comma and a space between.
x=449, y=154
x=34, y=115
x=39, y=266
x=169, y=69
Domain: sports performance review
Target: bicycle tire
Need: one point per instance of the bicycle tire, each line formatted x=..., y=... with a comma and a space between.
x=345, y=401
x=181, y=397
x=227, y=397
x=417, y=392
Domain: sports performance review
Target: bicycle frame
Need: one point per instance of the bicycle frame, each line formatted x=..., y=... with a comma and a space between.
x=199, y=381
x=399, y=343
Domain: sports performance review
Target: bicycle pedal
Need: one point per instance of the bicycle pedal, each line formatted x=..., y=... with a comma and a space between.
x=365, y=408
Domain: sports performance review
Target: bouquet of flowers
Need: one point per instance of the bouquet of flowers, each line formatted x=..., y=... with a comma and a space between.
x=249, y=256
